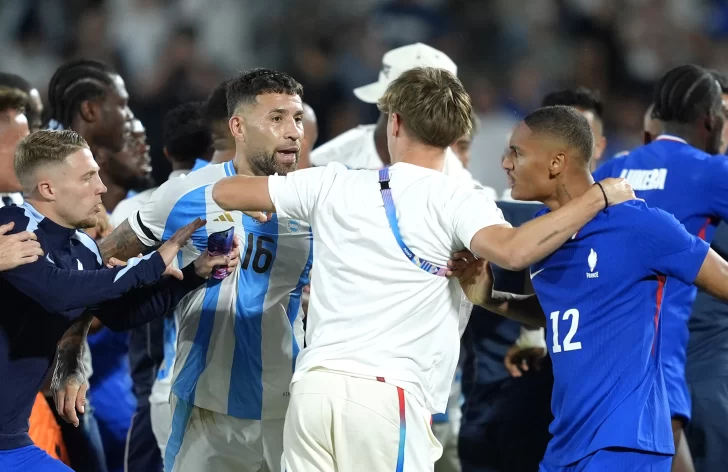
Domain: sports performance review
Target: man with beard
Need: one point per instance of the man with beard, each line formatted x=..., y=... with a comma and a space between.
x=238, y=339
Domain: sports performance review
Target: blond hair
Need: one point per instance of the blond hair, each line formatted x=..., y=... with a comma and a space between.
x=432, y=104
x=42, y=148
x=12, y=99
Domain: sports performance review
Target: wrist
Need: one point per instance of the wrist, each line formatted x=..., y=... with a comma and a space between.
x=531, y=338
x=595, y=199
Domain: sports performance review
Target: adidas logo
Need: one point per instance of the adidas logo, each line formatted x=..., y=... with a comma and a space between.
x=225, y=217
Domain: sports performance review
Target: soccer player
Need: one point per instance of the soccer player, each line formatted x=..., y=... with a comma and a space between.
x=383, y=321
x=603, y=298
x=62, y=188
x=238, y=340
x=33, y=105
x=678, y=173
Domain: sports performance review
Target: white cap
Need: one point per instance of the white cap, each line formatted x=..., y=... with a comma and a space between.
x=396, y=61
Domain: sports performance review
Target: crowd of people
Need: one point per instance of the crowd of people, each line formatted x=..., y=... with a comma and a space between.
x=332, y=339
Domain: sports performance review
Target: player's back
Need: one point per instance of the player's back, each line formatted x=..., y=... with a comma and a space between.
x=238, y=338
x=602, y=295
x=379, y=314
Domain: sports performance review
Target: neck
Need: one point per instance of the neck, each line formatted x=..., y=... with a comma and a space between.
x=684, y=131
x=241, y=165
x=423, y=156
x=46, y=209
x=569, y=187
x=222, y=156
x=114, y=192
x=183, y=165
x=380, y=143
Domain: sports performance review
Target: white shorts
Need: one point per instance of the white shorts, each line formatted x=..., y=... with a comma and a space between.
x=337, y=422
x=202, y=440
x=161, y=416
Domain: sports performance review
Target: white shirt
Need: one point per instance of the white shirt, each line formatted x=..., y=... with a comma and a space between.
x=238, y=339
x=356, y=150
x=125, y=208
x=372, y=311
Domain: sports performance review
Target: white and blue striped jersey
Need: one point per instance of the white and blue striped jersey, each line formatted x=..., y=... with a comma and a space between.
x=238, y=338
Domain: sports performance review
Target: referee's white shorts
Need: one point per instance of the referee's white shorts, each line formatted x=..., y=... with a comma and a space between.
x=338, y=422
x=203, y=440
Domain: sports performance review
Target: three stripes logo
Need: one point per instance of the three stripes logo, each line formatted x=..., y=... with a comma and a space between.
x=225, y=217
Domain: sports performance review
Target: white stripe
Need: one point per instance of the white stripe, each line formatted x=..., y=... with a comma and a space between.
x=131, y=263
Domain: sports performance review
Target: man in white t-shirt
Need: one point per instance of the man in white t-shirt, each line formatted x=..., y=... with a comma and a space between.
x=365, y=147
x=384, y=321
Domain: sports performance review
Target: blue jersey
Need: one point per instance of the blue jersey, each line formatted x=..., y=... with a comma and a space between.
x=602, y=294
x=693, y=186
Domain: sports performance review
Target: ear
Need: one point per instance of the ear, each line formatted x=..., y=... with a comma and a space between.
x=46, y=190
x=166, y=154
x=90, y=111
x=237, y=127
x=557, y=164
x=396, y=123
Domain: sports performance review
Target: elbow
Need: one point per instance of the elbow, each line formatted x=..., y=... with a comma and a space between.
x=516, y=260
x=220, y=195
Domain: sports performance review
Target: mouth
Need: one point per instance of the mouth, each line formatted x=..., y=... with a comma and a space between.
x=288, y=155
x=511, y=180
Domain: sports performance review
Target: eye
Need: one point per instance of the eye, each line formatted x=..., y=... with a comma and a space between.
x=277, y=118
x=299, y=119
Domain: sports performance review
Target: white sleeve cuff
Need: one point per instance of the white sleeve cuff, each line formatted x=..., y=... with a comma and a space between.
x=531, y=338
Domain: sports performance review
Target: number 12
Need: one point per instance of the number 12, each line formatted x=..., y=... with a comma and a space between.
x=568, y=345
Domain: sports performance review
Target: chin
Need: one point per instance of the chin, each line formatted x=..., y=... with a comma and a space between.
x=284, y=169
x=516, y=194
x=90, y=222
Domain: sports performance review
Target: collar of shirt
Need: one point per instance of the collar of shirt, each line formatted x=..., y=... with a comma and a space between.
x=669, y=137
x=56, y=234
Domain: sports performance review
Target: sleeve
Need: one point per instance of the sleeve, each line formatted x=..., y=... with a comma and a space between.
x=59, y=290
x=470, y=211
x=294, y=195
x=151, y=222
x=141, y=305
x=666, y=247
x=717, y=191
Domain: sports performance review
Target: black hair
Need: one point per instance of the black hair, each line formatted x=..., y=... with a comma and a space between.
x=685, y=94
x=721, y=79
x=216, y=108
x=247, y=86
x=14, y=81
x=566, y=124
x=72, y=84
x=185, y=135
x=579, y=97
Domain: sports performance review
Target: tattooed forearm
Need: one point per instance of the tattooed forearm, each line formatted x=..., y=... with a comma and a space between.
x=122, y=243
x=544, y=240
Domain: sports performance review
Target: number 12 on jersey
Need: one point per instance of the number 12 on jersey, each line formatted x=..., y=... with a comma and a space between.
x=572, y=315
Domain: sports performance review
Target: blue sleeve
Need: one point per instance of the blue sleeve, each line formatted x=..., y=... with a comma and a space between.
x=140, y=306
x=718, y=189
x=666, y=247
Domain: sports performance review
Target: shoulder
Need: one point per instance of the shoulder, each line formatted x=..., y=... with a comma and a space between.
x=88, y=242
x=192, y=186
x=127, y=207
x=641, y=217
x=24, y=217
x=344, y=148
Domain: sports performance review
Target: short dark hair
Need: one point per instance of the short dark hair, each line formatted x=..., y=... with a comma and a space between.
x=17, y=82
x=12, y=99
x=721, y=79
x=72, y=84
x=216, y=108
x=185, y=135
x=579, y=97
x=244, y=88
x=685, y=94
x=564, y=123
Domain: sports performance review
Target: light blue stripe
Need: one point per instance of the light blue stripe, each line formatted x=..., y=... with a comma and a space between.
x=131, y=263
x=180, y=419
x=199, y=164
x=245, y=398
x=294, y=302
x=229, y=168
x=90, y=244
x=33, y=215
x=192, y=205
x=186, y=382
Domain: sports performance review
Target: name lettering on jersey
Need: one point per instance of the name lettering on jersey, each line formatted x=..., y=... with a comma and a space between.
x=225, y=217
x=653, y=179
x=592, y=261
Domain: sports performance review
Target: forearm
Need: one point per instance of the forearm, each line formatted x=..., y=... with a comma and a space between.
x=69, y=352
x=123, y=244
x=140, y=306
x=243, y=193
x=522, y=308
x=517, y=248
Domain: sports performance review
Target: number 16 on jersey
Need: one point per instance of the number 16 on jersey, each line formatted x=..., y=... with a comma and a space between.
x=569, y=344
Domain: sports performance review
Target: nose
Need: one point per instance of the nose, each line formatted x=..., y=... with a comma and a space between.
x=292, y=131
x=506, y=162
x=101, y=189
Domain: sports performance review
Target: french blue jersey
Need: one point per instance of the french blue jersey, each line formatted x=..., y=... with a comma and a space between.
x=602, y=294
x=693, y=186
x=238, y=338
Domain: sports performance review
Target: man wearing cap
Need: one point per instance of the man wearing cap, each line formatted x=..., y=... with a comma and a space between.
x=365, y=147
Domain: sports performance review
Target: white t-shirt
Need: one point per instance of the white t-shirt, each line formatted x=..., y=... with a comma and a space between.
x=356, y=150
x=372, y=311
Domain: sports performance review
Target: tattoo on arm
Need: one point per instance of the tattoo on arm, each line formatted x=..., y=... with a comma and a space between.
x=544, y=240
x=122, y=243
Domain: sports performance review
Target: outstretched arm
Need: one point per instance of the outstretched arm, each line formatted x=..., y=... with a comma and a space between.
x=123, y=243
x=713, y=276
